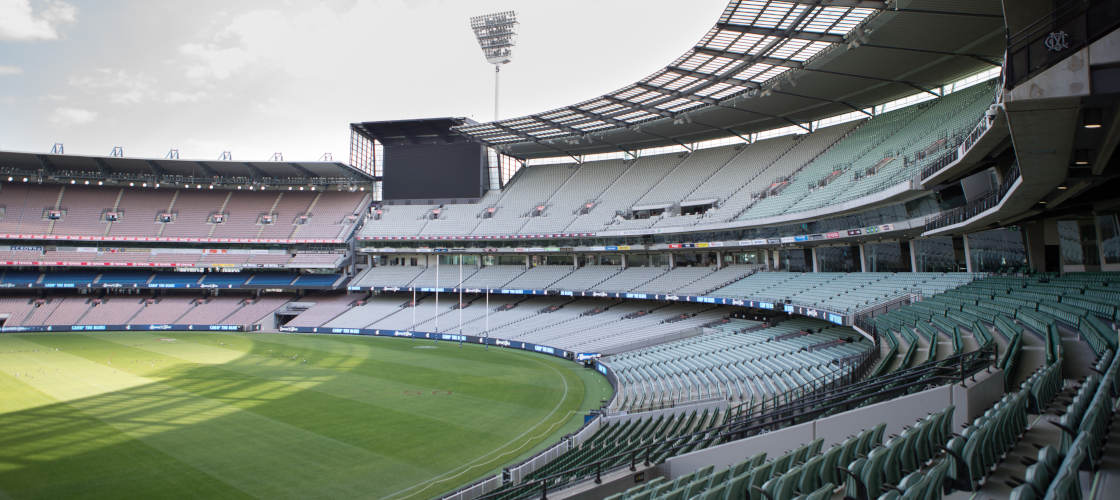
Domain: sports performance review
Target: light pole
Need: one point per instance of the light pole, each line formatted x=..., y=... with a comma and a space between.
x=496, y=34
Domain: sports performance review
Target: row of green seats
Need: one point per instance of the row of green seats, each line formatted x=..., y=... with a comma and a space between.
x=1042, y=386
x=1091, y=409
x=611, y=440
x=1098, y=334
x=986, y=440
x=805, y=472
x=1008, y=362
x=887, y=464
x=1054, y=476
x=921, y=484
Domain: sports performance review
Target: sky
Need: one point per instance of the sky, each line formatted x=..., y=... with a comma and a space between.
x=256, y=77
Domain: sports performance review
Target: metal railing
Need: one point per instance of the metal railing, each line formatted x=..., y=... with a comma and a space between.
x=974, y=208
x=956, y=368
x=959, y=147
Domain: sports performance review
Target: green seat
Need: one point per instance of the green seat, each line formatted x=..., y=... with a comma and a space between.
x=866, y=442
x=923, y=444
x=676, y=494
x=852, y=481
x=758, y=460
x=872, y=474
x=783, y=463
x=787, y=483
x=822, y=493
x=828, y=473
x=892, y=463
x=767, y=490
x=759, y=476
x=910, y=481
x=811, y=474
x=944, y=430
x=1022, y=492
x=694, y=487
x=815, y=448
x=663, y=489
x=719, y=478
x=935, y=480
x=877, y=435
x=740, y=468
x=739, y=486
x=717, y=493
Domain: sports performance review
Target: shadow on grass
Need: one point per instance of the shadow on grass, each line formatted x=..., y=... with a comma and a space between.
x=291, y=417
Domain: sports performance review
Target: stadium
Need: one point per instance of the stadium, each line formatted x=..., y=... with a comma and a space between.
x=836, y=249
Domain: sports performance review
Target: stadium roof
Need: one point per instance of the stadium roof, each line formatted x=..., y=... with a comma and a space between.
x=105, y=167
x=768, y=64
x=415, y=131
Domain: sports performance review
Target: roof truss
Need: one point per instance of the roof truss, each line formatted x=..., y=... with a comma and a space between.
x=753, y=43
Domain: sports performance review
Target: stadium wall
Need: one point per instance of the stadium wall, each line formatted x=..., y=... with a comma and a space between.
x=970, y=400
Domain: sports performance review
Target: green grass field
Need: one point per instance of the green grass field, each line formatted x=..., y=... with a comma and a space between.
x=174, y=414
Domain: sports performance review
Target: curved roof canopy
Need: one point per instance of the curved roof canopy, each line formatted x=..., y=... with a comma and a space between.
x=60, y=166
x=767, y=64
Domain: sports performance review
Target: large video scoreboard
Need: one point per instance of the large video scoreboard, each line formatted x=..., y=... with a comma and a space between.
x=425, y=160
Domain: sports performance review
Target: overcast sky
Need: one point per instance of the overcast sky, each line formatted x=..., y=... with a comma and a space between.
x=261, y=76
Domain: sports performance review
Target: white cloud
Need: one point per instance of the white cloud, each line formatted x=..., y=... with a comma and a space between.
x=214, y=62
x=72, y=116
x=10, y=70
x=300, y=43
x=19, y=22
x=120, y=86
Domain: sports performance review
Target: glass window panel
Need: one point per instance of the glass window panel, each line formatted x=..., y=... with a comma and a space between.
x=998, y=250
x=935, y=255
x=1110, y=238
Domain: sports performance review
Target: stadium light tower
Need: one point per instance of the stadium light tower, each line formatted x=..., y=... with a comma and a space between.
x=496, y=34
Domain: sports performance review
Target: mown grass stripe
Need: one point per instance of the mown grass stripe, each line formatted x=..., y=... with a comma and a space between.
x=336, y=424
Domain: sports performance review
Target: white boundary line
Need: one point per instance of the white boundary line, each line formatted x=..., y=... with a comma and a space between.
x=472, y=464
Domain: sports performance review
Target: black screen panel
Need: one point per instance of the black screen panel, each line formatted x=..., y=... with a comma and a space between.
x=433, y=171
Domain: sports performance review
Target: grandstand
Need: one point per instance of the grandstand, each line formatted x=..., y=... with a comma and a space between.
x=850, y=249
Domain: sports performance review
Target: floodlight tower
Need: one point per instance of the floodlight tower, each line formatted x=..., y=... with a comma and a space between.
x=496, y=34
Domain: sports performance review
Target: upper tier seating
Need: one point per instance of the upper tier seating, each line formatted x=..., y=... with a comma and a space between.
x=194, y=213
x=772, y=177
x=170, y=257
x=885, y=146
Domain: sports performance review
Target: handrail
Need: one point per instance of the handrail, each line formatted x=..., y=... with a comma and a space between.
x=974, y=208
x=959, y=147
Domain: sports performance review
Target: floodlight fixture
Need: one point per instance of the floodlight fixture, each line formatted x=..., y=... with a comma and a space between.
x=496, y=34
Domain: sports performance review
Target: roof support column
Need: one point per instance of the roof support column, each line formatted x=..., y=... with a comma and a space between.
x=913, y=251
x=967, y=255
x=862, y=258
x=816, y=263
